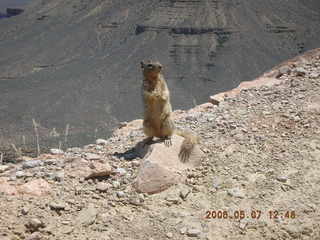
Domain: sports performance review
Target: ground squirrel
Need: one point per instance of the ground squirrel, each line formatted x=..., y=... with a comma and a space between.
x=157, y=120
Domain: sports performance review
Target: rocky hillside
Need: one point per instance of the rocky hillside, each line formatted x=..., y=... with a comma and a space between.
x=77, y=62
x=258, y=178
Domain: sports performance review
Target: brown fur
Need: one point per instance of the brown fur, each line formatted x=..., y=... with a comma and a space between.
x=157, y=120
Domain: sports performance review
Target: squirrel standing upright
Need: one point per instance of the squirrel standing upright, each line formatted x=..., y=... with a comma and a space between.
x=157, y=120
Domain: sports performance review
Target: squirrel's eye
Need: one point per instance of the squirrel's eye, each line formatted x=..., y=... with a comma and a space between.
x=149, y=66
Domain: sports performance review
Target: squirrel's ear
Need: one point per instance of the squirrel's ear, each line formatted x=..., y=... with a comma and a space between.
x=142, y=64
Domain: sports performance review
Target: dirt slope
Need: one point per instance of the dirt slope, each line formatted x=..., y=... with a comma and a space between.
x=77, y=62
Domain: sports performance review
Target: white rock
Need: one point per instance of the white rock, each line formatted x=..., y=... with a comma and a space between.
x=56, y=151
x=101, y=141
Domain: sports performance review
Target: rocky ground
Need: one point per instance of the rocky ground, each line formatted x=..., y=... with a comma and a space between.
x=259, y=178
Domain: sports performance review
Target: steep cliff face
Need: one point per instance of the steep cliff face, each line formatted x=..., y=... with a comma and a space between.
x=77, y=62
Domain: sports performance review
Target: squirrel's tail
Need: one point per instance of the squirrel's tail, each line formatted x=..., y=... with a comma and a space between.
x=190, y=140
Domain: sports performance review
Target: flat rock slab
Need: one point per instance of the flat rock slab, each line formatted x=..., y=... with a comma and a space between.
x=161, y=167
x=87, y=216
x=37, y=187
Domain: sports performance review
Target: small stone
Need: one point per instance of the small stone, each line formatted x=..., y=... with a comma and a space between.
x=31, y=164
x=135, y=163
x=57, y=206
x=173, y=199
x=236, y=192
x=315, y=74
x=59, y=176
x=300, y=71
x=92, y=156
x=121, y=171
x=102, y=187
x=120, y=194
x=98, y=169
x=20, y=174
x=183, y=230
x=87, y=216
x=101, y=141
x=99, y=147
x=24, y=211
x=193, y=232
x=283, y=70
x=266, y=113
x=34, y=224
x=169, y=235
x=74, y=150
x=56, y=151
x=50, y=162
x=137, y=200
x=4, y=168
x=67, y=230
x=282, y=179
x=34, y=236
x=116, y=184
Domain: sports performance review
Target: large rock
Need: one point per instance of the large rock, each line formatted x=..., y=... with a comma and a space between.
x=86, y=169
x=38, y=187
x=161, y=167
x=6, y=187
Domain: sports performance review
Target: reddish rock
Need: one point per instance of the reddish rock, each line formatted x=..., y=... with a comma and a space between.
x=38, y=187
x=97, y=169
x=86, y=169
x=161, y=167
x=7, y=188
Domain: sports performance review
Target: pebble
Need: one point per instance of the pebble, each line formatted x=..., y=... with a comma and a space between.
x=116, y=184
x=300, y=71
x=183, y=230
x=56, y=151
x=173, y=199
x=193, y=232
x=51, y=162
x=135, y=163
x=169, y=235
x=87, y=216
x=57, y=206
x=121, y=171
x=20, y=174
x=120, y=194
x=236, y=192
x=74, y=150
x=102, y=187
x=92, y=156
x=32, y=164
x=34, y=236
x=99, y=147
x=24, y=211
x=315, y=74
x=34, y=224
x=3, y=168
x=101, y=141
x=282, y=179
x=58, y=176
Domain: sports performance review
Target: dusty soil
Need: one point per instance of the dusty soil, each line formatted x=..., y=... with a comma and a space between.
x=259, y=179
x=84, y=69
